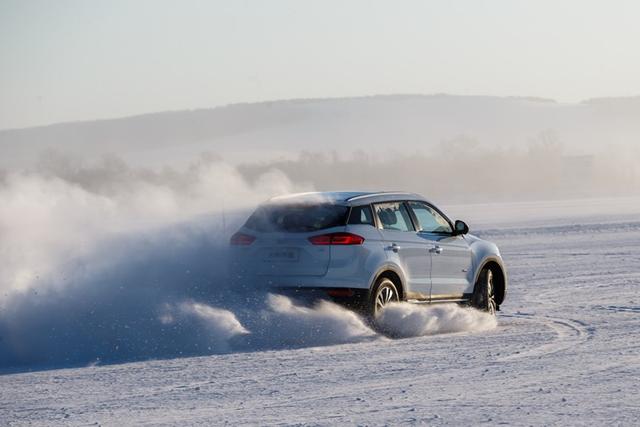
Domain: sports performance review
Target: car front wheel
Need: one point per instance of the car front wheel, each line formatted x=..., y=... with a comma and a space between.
x=484, y=297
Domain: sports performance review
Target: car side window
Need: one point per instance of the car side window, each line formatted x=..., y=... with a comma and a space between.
x=361, y=215
x=429, y=220
x=394, y=216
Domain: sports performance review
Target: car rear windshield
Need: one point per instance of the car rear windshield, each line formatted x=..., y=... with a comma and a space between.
x=297, y=218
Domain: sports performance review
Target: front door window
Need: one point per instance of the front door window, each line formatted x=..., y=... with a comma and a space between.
x=429, y=220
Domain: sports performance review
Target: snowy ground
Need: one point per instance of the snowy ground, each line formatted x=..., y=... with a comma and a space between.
x=566, y=351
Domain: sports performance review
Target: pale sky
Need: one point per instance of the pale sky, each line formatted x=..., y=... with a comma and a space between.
x=80, y=60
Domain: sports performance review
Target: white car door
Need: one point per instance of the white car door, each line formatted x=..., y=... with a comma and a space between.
x=451, y=256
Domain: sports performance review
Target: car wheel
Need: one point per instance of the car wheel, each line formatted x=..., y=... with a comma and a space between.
x=484, y=297
x=384, y=292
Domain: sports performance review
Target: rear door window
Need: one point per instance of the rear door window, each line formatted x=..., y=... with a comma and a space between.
x=297, y=218
x=394, y=216
x=361, y=215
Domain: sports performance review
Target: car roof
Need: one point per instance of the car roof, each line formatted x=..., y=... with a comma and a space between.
x=347, y=198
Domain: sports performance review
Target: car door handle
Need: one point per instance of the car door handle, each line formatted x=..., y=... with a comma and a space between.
x=394, y=247
x=436, y=250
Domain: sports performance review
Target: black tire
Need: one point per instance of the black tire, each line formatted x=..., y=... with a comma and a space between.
x=484, y=297
x=383, y=293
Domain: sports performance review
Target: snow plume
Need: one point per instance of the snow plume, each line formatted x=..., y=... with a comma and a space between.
x=404, y=320
x=214, y=325
x=63, y=209
x=285, y=324
x=105, y=263
x=111, y=304
x=92, y=254
x=262, y=321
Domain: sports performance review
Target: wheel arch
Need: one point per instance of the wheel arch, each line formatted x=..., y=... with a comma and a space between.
x=392, y=273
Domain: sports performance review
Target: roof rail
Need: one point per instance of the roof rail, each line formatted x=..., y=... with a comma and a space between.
x=383, y=193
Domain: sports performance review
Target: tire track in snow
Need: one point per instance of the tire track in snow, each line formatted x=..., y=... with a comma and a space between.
x=618, y=308
x=568, y=334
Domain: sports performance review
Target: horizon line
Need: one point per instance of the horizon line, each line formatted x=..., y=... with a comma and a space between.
x=323, y=99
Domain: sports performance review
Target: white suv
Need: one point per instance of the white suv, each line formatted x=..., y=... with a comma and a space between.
x=365, y=250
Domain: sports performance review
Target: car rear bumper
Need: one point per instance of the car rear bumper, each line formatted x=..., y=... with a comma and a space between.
x=306, y=290
x=258, y=282
x=352, y=298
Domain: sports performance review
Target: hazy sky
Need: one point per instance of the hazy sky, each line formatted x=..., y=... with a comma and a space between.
x=77, y=60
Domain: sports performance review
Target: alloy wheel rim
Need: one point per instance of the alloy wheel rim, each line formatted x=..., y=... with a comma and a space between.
x=386, y=295
x=491, y=300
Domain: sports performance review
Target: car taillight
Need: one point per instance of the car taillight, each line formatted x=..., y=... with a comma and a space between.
x=337, y=239
x=242, y=239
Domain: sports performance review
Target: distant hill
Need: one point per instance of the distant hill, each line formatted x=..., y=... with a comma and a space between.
x=379, y=124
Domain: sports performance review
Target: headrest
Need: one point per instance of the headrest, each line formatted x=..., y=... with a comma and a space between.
x=388, y=216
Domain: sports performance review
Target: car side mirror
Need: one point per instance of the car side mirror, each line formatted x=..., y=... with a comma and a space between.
x=460, y=227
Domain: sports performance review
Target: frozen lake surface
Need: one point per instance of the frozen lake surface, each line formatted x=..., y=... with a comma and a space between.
x=566, y=351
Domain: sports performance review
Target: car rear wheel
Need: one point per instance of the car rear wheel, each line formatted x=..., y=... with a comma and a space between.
x=484, y=297
x=384, y=293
